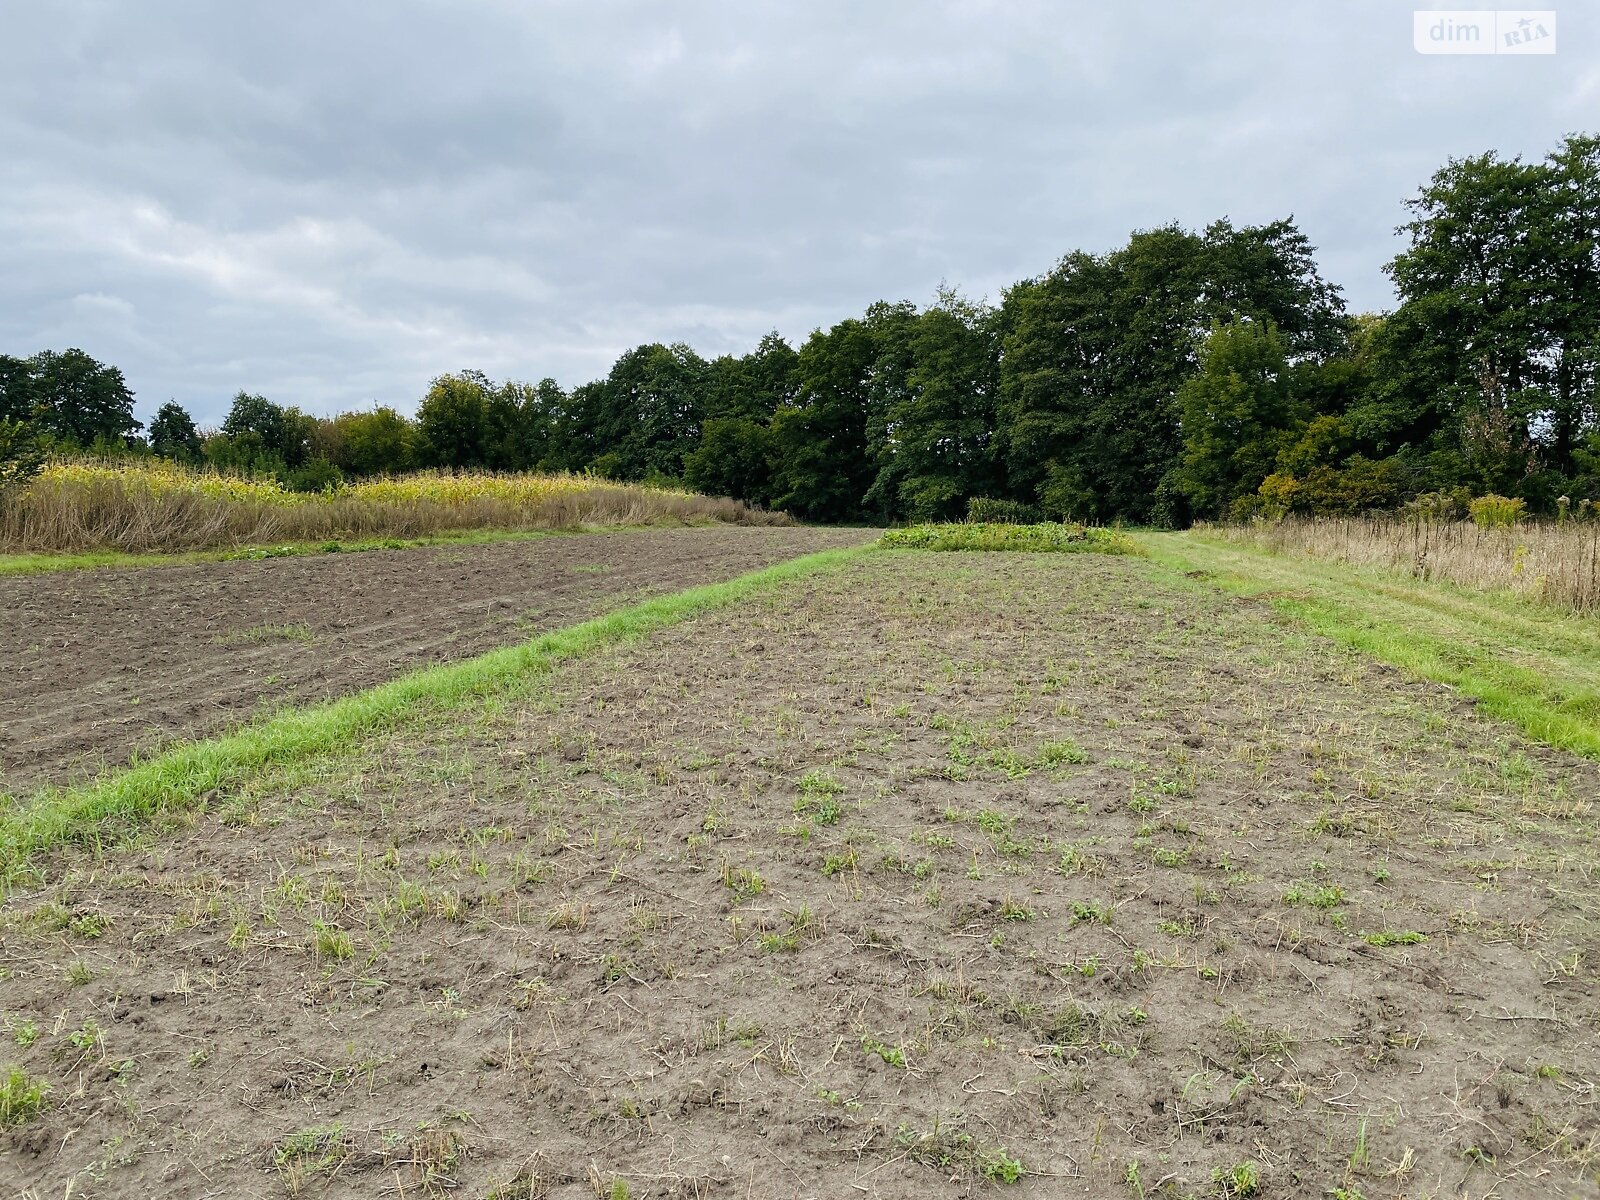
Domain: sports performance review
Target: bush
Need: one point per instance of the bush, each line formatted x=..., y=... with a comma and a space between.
x=316, y=475
x=1497, y=512
x=1038, y=538
x=1276, y=498
x=21, y=457
x=985, y=510
x=1170, y=508
x=1251, y=508
x=1435, y=508
x=1360, y=486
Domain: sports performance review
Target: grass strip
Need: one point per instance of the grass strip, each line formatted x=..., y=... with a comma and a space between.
x=1046, y=537
x=179, y=778
x=1521, y=662
x=40, y=563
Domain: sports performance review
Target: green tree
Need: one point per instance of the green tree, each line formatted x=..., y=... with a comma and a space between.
x=574, y=420
x=173, y=434
x=255, y=421
x=1269, y=273
x=78, y=401
x=379, y=442
x=887, y=394
x=651, y=412
x=751, y=386
x=1572, y=352
x=731, y=460
x=741, y=394
x=769, y=372
x=819, y=437
x=547, y=410
x=16, y=389
x=451, y=420
x=261, y=437
x=1494, y=351
x=1088, y=420
x=1238, y=414
x=936, y=451
x=1093, y=357
x=514, y=428
x=21, y=456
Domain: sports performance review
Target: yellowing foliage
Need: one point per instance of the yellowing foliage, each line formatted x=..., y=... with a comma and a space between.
x=161, y=477
x=153, y=505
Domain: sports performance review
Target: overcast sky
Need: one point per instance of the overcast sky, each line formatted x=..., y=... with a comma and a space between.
x=332, y=202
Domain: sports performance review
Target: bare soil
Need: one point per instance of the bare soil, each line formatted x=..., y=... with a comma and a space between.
x=903, y=882
x=102, y=664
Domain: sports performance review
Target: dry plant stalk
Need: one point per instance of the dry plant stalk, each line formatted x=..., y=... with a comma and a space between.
x=128, y=511
x=1555, y=564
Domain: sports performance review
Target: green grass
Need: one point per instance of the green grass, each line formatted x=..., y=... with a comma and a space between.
x=1526, y=663
x=1046, y=538
x=35, y=564
x=21, y=1097
x=114, y=806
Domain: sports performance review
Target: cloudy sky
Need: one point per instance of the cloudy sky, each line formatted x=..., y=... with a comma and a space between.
x=331, y=202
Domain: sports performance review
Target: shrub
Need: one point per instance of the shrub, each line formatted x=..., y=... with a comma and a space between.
x=1277, y=495
x=1435, y=508
x=1250, y=508
x=1497, y=512
x=986, y=510
x=1360, y=486
x=21, y=457
x=1170, y=509
x=315, y=475
x=1039, y=538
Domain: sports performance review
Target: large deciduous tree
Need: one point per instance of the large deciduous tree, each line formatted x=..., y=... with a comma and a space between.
x=173, y=433
x=819, y=436
x=1089, y=421
x=377, y=442
x=1495, y=349
x=451, y=420
x=68, y=397
x=934, y=451
x=651, y=412
x=260, y=435
x=1238, y=414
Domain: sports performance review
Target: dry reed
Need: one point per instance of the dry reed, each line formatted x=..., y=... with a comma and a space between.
x=1555, y=564
x=85, y=507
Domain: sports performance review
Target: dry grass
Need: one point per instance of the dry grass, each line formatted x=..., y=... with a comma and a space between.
x=158, y=507
x=1556, y=564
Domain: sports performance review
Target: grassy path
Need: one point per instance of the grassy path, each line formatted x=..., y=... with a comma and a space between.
x=1526, y=663
x=39, y=563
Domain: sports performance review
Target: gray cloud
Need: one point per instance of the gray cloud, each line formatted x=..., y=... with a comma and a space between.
x=333, y=202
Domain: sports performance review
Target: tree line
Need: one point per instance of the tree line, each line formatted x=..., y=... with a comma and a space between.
x=1186, y=374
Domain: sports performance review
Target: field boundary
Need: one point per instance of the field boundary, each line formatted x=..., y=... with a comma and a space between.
x=42, y=562
x=183, y=777
x=1537, y=669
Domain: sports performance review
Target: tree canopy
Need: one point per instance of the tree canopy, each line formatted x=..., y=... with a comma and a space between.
x=1185, y=373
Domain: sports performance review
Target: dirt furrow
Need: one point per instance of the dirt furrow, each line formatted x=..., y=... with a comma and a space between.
x=104, y=664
